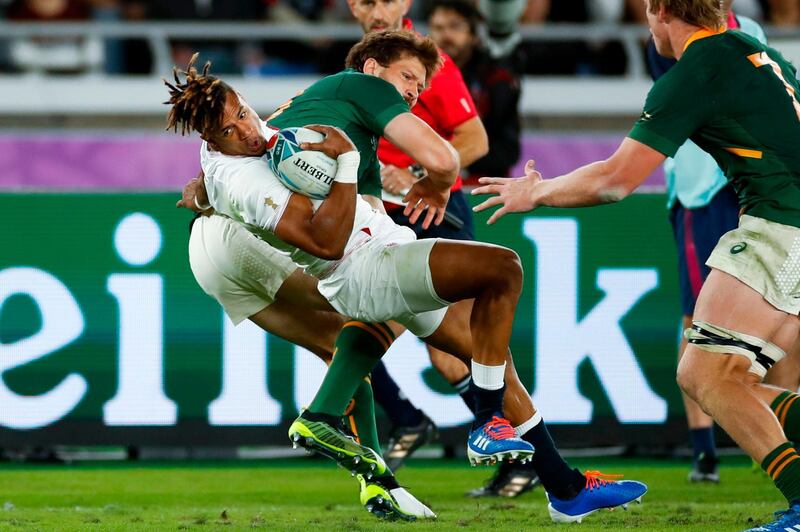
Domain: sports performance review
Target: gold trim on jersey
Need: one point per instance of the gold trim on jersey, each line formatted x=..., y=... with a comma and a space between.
x=744, y=152
x=760, y=59
x=702, y=33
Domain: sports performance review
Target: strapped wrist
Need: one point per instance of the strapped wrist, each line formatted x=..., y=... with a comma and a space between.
x=347, y=167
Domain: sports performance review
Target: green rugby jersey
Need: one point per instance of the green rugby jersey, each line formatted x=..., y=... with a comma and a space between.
x=359, y=104
x=738, y=100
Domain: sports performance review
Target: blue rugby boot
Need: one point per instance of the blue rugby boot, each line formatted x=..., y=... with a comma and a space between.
x=495, y=441
x=601, y=491
x=784, y=520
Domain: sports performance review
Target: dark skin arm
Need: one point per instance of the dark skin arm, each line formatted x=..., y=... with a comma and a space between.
x=323, y=233
x=194, y=196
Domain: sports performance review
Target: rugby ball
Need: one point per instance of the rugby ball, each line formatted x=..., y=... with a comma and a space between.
x=306, y=172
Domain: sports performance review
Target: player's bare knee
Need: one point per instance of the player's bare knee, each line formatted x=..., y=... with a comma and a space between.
x=508, y=268
x=688, y=381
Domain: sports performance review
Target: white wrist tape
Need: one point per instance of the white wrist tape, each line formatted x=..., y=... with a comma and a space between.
x=347, y=168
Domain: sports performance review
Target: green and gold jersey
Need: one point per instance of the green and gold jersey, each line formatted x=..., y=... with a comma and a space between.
x=738, y=100
x=359, y=104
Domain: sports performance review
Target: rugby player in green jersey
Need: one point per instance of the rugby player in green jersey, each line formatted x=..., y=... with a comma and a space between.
x=738, y=100
x=361, y=102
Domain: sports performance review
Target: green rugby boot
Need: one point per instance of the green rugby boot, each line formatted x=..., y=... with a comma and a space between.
x=385, y=499
x=323, y=438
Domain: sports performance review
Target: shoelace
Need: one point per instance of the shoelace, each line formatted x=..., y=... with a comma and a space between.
x=499, y=428
x=596, y=479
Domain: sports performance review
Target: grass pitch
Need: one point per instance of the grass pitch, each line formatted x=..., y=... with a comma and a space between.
x=302, y=494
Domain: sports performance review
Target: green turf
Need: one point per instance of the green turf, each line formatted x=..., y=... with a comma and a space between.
x=311, y=494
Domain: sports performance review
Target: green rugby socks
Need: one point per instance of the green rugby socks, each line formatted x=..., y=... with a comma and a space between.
x=361, y=416
x=782, y=464
x=787, y=410
x=359, y=347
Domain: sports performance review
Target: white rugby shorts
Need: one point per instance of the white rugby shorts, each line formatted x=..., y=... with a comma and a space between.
x=381, y=282
x=242, y=272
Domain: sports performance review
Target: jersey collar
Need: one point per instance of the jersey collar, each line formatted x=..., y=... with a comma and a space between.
x=702, y=33
x=269, y=133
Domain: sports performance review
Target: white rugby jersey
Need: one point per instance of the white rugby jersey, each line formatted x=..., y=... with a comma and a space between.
x=246, y=190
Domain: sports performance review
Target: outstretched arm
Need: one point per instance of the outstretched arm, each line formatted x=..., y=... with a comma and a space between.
x=594, y=184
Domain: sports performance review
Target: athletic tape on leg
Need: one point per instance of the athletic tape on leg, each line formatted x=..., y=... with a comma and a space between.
x=761, y=353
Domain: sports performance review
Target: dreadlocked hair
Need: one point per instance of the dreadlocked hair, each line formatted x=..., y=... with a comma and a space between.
x=197, y=103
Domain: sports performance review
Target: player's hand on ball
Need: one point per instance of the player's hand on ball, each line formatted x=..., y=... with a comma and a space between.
x=515, y=194
x=425, y=195
x=194, y=196
x=335, y=143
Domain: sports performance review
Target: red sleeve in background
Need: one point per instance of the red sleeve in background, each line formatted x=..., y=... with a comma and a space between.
x=449, y=96
x=444, y=105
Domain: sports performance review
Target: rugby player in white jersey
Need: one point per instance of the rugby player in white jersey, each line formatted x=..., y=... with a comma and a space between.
x=354, y=250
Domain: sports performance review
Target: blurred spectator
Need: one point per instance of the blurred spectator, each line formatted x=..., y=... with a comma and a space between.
x=222, y=53
x=579, y=56
x=784, y=12
x=599, y=11
x=68, y=55
x=3, y=6
x=136, y=55
x=493, y=82
x=124, y=56
x=276, y=58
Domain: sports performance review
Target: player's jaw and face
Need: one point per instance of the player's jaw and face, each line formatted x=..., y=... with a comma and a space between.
x=407, y=74
x=451, y=32
x=239, y=131
x=378, y=15
x=658, y=28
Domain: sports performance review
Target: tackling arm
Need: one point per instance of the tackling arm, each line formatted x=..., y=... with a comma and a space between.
x=601, y=182
x=594, y=184
x=424, y=145
x=430, y=194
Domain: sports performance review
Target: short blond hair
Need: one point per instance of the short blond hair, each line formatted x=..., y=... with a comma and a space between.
x=703, y=13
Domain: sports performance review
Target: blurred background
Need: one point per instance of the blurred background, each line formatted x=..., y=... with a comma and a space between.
x=106, y=342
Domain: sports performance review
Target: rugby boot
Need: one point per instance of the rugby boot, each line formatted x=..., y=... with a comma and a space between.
x=385, y=499
x=321, y=437
x=496, y=441
x=404, y=441
x=705, y=470
x=511, y=479
x=601, y=491
x=785, y=520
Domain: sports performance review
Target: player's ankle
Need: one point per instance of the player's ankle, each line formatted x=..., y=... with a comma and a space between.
x=330, y=419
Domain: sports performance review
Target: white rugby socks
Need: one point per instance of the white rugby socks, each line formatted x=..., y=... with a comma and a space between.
x=488, y=377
